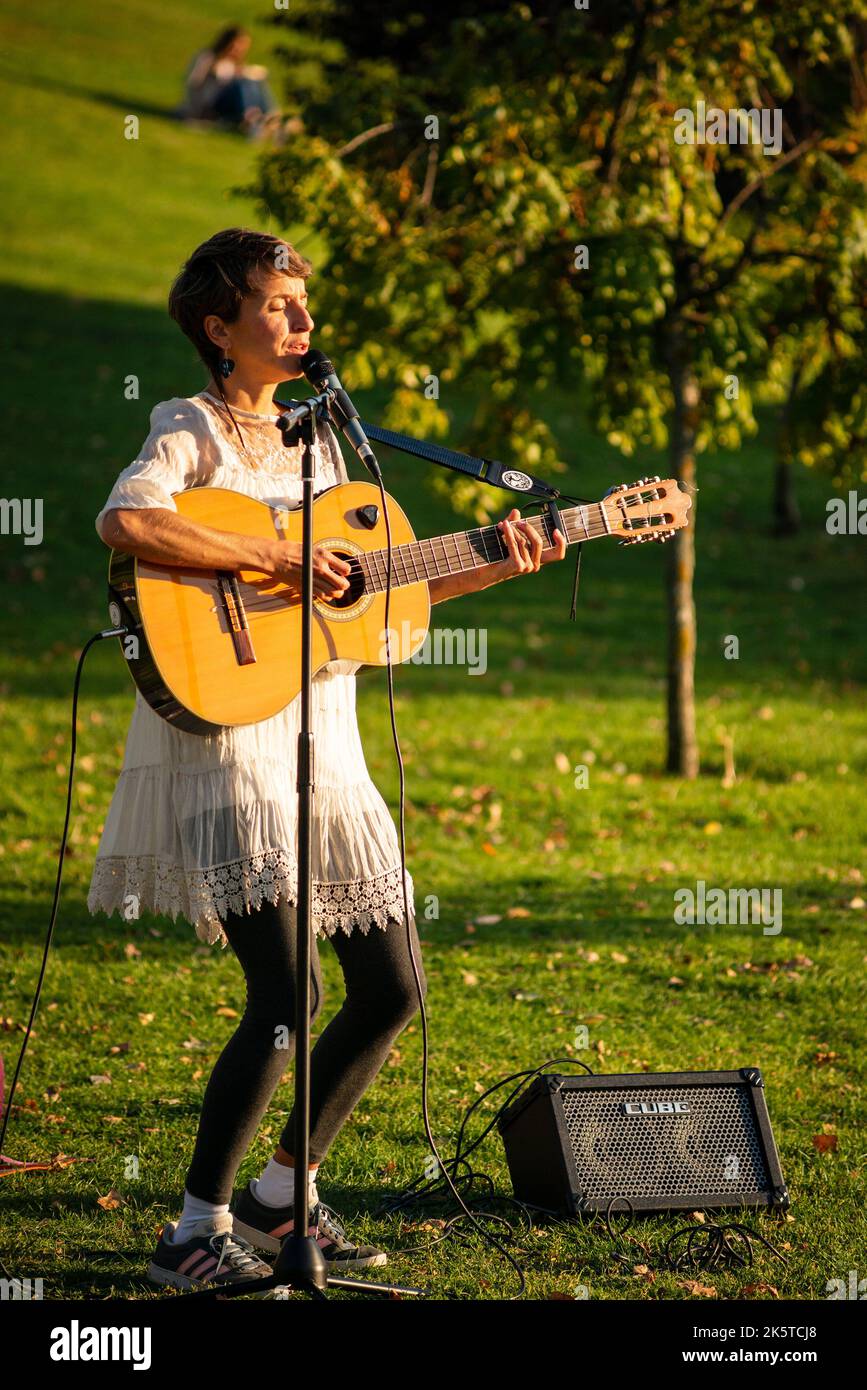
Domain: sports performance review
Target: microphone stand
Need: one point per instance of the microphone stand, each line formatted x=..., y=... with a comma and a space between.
x=300, y=1263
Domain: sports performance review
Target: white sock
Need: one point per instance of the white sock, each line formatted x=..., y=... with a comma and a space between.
x=195, y=1210
x=276, y=1186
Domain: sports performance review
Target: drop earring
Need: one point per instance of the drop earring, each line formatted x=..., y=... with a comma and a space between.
x=227, y=366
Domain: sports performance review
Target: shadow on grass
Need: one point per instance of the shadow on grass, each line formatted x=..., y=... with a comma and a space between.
x=607, y=908
x=131, y=106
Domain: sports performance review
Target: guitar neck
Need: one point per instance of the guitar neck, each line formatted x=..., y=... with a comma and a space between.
x=439, y=556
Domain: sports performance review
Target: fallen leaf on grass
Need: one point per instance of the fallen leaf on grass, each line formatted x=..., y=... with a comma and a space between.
x=696, y=1289
x=111, y=1201
x=825, y=1143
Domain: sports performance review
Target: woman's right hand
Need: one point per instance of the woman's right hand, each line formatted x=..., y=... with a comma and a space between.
x=330, y=573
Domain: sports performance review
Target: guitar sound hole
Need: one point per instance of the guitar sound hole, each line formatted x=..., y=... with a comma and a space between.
x=356, y=583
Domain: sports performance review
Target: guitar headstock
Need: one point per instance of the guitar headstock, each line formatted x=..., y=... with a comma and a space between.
x=650, y=510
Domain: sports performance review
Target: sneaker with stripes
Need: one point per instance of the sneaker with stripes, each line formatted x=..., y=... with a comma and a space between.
x=213, y=1254
x=265, y=1227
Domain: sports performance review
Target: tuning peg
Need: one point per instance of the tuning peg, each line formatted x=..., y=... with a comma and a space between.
x=618, y=487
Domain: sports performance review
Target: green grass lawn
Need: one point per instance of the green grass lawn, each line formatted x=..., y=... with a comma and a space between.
x=581, y=882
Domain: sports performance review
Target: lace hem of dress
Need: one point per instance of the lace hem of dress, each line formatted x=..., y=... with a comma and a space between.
x=130, y=885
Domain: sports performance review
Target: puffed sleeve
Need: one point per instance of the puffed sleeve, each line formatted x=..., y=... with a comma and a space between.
x=178, y=454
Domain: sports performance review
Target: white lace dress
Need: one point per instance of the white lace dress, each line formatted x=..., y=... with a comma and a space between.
x=202, y=825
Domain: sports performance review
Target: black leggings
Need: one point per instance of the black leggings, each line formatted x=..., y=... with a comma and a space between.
x=381, y=998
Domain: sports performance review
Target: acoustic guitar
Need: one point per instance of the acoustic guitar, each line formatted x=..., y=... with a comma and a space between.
x=214, y=648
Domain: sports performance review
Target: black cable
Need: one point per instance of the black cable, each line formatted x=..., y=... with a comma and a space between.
x=97, y=637
x=708, y=1245
x=458, y=1157
x=717, y=1249
x=413, y=1194
x=711, y=1238
x=402, y=798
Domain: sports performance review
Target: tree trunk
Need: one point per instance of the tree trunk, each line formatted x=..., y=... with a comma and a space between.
x=787, y=515
x=682, y=741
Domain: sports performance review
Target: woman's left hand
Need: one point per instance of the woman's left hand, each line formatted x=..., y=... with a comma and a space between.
x=527, y=552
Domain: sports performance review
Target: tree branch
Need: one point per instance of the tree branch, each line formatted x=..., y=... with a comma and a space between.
x=749, y=189
x=610, y=156
x=430, y=177
x=362, y=139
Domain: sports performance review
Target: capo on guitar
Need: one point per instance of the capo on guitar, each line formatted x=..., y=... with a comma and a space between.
x=556, y=521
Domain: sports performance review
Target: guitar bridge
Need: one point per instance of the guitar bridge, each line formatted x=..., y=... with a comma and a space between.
x=233, y=606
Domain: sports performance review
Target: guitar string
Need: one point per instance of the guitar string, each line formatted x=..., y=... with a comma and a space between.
x=374, y=574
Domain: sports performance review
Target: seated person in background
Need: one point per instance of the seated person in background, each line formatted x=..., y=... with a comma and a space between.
x=219, y=86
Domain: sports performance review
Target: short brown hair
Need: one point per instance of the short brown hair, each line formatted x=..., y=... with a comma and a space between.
x=217, y=277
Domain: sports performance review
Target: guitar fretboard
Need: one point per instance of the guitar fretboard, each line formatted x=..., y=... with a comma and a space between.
x=443, y=555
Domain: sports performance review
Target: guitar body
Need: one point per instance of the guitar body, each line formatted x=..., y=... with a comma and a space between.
x=215, y=649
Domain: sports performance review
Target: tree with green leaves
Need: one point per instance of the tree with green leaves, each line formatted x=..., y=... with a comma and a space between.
x=534, y=194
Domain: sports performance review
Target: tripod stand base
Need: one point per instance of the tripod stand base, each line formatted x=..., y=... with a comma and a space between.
x=300, y=1267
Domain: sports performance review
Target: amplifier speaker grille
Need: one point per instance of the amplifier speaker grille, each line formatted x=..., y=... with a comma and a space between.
x=572, y=1146
x=668, y=1155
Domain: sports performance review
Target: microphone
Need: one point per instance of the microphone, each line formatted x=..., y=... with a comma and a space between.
x=320, y=372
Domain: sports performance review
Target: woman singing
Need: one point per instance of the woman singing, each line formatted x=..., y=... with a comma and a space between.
x=206, y=826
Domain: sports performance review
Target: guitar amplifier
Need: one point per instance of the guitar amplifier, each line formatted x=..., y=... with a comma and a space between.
x=663, y=1141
